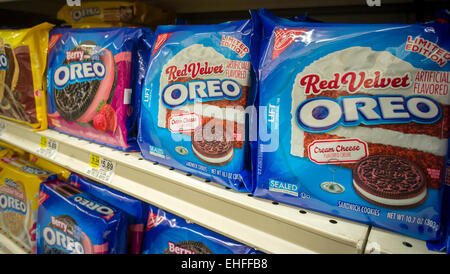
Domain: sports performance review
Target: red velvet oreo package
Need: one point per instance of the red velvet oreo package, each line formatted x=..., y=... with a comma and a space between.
x=71, y=221
x=356, y=120
x=196, y=100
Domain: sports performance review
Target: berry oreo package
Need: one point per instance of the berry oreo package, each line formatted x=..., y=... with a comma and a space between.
x=71, y=221
x=199, y=83
x=94, y=83
x=170, y=234
x=135, y=209
x=357, y=120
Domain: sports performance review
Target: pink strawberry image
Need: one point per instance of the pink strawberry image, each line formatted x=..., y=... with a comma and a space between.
x=111, y=117
x=100, y=122
x=106, y=118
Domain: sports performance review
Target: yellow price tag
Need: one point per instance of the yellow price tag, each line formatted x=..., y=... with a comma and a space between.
x=94, y=161
x=44, y=141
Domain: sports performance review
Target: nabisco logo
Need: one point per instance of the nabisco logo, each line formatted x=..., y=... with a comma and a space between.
x=160, y=40
x=154, y=220
x=52, y=41
x=283, y=39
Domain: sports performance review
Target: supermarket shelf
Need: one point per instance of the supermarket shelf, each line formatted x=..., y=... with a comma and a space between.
x=10, y=246
x=50, y=7
x=381, y=241
x=259, y=223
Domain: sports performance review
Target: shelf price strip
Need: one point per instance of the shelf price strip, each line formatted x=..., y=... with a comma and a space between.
x=101, y=168
x=47, y=147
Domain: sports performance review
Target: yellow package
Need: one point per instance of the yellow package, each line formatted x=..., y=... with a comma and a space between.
x=19, y=199
x=23, y=59
x=12, y=151
x=63, y=173
x=5, y=152
x=114, y=14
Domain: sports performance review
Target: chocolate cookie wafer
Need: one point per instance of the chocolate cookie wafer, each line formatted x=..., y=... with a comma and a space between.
x=212, y=149
x=390, y=182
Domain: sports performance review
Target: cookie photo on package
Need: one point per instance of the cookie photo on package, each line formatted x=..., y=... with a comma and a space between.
x=71, y=221
x=23, y=59
x=19, y=191
x=358, y=116
x=199, y=83
x=169, y=234
x=135, y=209
x=94, y=83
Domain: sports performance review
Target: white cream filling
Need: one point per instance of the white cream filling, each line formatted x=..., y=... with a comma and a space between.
x=391, y=202
x=420, y=142
x=213, y=160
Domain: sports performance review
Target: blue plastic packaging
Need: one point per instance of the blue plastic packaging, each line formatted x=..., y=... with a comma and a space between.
x=71, y=221
x=135, y=209
x=337, y=98
x=95, y=81
x=443, y=244
x=198, y=86
x=170, y=234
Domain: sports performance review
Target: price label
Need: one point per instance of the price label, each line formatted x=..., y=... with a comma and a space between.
x=94, y=161
x=47, y=147
x=101, y=168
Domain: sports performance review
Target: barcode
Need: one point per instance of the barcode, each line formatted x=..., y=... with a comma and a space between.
x=99, y=174
x=51, y=144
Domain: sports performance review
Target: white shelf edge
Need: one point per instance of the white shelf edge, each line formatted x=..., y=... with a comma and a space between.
x=381, y=241
x=270, y=228
x=12, y=246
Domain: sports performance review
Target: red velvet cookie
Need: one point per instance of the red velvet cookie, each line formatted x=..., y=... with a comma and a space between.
x=390, y=182
x=211, y=149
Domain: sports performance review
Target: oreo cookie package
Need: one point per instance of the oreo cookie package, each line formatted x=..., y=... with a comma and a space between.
x=23, y=57
x=443, y=244
x=94, y=83
x=355, y=120
x=19, y=188
x=170, y=234
x=135, y=210
x=198, y=86
x=71, y=221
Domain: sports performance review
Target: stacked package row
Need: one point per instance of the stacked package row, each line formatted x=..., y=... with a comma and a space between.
x=49, y=210
x=352, y=120
x=346, y=119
